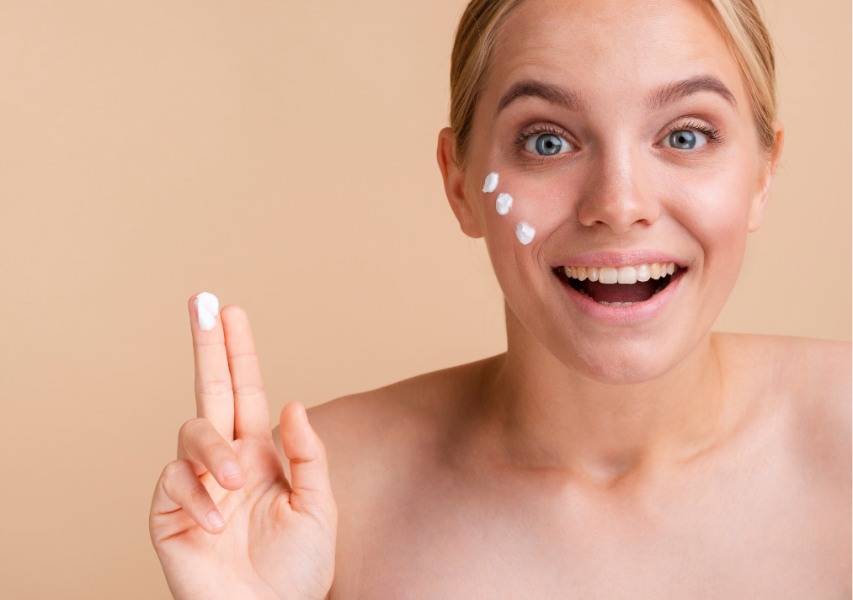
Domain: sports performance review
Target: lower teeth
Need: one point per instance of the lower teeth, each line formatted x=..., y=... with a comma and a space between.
x=582, y=291
x=605, y=303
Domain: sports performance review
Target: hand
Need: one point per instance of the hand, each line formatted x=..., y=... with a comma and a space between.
x=225, y=521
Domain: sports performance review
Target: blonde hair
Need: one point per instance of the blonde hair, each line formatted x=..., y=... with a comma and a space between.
x=739, y=20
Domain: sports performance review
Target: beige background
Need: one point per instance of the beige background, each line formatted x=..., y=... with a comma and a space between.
x=279, y=154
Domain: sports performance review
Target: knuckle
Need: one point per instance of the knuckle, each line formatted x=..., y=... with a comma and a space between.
x=215, y=447
x=197, y=495
x=192, y=428
x=173, y=474
x=249, y=389
x=172, y=470
x=214, y=387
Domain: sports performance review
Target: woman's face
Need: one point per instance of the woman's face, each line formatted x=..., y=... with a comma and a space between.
x=625, y=136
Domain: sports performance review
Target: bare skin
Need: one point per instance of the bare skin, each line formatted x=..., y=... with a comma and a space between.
x=628, y=456
x=434, y=502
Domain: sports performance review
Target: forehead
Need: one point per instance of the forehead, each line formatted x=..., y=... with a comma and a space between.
x=611, y=47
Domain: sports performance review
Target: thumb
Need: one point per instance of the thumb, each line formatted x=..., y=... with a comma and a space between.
x=309, y=469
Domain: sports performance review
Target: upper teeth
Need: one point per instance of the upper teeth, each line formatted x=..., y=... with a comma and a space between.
x=633, y=274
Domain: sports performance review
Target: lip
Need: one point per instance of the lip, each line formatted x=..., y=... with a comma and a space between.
x=620, y=259
x=641, y=311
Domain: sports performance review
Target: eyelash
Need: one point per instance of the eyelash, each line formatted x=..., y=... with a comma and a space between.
x=713, y=135
x=526, y=134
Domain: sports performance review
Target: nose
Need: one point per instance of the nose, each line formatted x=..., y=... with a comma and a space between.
x=617, y=196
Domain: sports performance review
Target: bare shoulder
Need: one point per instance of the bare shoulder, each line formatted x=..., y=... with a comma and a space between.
x=819, y=369
x=421, y=399
x=809, y=381
x=365, y=434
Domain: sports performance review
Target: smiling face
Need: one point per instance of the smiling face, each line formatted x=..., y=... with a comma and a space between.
x=624, y=134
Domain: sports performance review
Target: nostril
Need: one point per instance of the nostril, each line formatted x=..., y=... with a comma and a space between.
x=619, y=210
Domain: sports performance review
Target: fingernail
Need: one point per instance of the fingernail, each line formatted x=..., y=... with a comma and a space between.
x=231, y=470
x=215, y=519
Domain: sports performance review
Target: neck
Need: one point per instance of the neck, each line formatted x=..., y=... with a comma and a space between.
x=550, y=416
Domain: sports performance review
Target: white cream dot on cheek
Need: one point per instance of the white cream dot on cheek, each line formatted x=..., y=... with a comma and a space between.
x=503, y=203
x=208, y=307
x=524, y=233
x=491, y=183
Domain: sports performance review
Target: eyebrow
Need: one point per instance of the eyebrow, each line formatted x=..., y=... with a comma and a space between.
x=681, y=89
x=568, y=99
x=547, y=91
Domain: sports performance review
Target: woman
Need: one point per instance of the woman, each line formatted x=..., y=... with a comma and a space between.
x=618, y=448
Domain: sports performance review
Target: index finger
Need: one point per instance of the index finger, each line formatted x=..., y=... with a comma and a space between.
x=213, y=391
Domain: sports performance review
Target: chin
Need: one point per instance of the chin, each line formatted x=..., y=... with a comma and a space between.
x=622, y=355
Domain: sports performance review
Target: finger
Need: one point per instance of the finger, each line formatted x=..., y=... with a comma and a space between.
x=214, y=399
x=251, y=413
x=309, y=469
x=206, y=450
x=179, y=488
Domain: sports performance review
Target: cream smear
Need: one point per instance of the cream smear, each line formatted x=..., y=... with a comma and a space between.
x=208, y=307
x=491, y=183
x=503, y=203
x=524, y=233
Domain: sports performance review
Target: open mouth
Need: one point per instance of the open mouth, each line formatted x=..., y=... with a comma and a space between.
x=619, y=286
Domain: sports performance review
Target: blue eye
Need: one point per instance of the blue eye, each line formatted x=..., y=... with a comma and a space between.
x=547, y=144
x=685, y=139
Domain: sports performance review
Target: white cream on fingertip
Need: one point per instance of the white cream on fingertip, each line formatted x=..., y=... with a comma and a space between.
x=524, y=233
x=207, y=306
x=503, y=203
x=491, y=183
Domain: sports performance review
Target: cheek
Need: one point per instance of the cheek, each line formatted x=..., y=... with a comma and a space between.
x=714, y=209
x=518, y=211
x=518, y=214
